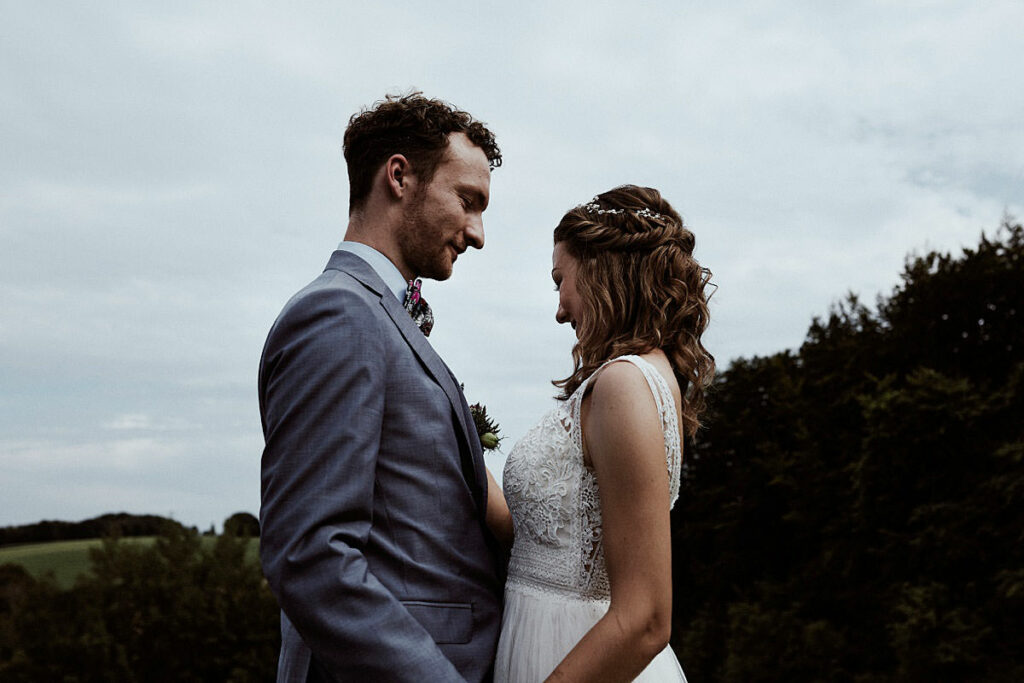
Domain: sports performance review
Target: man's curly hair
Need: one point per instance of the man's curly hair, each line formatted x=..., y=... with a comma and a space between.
x=414, y=126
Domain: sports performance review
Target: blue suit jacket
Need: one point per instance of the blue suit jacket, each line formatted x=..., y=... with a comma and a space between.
x=373, y=493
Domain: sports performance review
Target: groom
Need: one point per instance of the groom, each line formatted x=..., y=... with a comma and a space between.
x=373, y=482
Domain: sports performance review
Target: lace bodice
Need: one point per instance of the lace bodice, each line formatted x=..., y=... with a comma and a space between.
x=554, y=500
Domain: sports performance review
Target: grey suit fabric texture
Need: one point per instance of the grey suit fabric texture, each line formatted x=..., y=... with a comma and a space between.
x=373, y=537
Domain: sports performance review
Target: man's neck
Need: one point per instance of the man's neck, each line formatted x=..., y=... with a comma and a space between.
x=378, y=236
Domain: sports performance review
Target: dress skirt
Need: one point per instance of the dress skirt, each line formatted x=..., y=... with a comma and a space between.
x=539, y=628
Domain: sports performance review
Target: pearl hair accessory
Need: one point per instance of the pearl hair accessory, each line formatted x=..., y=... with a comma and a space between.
x=593, y=207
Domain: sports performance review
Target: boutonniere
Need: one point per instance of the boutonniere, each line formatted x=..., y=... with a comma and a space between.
x=486, y=428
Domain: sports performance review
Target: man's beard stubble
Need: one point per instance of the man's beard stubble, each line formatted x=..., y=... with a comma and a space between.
x=423, y=246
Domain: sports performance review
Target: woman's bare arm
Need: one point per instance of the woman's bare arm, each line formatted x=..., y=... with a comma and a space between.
x=626, y=449
x=499, y=519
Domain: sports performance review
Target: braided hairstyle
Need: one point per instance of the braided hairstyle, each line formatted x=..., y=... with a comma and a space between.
x=640, y=289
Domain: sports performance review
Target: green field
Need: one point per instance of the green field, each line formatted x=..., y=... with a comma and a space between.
x=67, y=560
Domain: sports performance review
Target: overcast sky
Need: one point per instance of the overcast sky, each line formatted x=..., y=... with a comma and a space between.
x=170, y=173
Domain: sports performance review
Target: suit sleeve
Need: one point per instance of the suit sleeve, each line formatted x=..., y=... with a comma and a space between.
x=322, y=400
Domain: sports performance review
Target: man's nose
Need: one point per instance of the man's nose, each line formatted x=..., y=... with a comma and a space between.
x=560, y=315
x=475, y=232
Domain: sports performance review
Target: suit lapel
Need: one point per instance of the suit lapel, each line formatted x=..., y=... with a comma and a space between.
x=359, y=269
x=425, y=352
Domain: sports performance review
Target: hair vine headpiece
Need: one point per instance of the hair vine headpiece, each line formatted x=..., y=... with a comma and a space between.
x=593, y=207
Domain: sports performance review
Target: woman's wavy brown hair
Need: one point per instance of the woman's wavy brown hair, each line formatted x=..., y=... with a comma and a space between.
x=640, y=288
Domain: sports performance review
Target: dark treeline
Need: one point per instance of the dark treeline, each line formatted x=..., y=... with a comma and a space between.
x=853, y=511
x=180, y=609
x=114, y=524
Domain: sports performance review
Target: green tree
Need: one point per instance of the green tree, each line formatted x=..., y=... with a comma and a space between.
x=242, y=524
x=852, y=510
x=178, y=610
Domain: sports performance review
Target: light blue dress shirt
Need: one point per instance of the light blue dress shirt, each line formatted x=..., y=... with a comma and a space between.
x=381, y=265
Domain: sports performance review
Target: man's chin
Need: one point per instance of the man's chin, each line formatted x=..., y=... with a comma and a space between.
x=437, y=272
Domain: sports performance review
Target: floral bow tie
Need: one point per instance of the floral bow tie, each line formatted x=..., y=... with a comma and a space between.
x=418, y=307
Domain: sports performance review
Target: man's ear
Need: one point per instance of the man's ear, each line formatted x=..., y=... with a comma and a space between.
x=397, y=172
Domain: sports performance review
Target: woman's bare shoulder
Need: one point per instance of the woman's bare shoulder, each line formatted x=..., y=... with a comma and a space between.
x=619, y=380
x=661, y=363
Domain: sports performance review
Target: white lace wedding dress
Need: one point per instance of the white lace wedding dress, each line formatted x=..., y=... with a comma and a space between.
x=557, y=586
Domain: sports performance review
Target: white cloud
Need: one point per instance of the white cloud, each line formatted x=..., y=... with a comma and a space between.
x=141, y=422
x=113, y=457
x=171, y=174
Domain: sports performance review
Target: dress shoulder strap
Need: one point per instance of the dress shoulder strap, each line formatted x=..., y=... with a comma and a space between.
x=666, y=404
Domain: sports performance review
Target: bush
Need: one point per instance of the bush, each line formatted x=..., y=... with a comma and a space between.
x=178, y=610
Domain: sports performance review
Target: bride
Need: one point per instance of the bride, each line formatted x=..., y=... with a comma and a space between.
x=589, y=592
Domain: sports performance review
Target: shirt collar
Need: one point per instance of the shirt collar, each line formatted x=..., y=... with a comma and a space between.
x=381, y=265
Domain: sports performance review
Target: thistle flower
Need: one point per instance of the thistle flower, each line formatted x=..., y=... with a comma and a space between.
x=486, y=428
